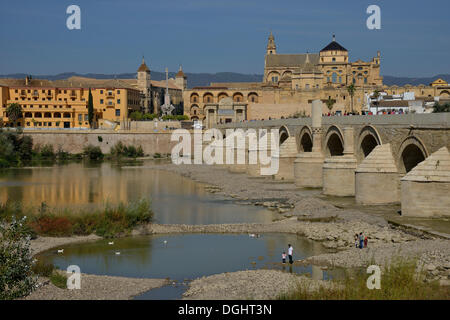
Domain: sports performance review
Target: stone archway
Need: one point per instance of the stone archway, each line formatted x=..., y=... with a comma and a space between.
x=367, y=141
x=284, y=134
x=305, y=141
x=412, y=152
x=334, y=142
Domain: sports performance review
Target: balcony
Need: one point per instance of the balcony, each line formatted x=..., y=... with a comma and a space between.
x=110, y=104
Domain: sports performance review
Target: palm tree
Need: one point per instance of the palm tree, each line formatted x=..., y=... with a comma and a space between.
x=351, y=91
x=330, y=102
x=376, y=95
x=14, y=112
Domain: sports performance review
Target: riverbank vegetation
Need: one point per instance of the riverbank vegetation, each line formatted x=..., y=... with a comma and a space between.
x=16, y=276
x=17, y=149
x=109, y=221
x=399, y=281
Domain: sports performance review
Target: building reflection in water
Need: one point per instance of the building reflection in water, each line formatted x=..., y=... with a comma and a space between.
x=175, y=199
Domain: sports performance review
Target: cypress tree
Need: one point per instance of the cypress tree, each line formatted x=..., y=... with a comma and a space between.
x=90, y=109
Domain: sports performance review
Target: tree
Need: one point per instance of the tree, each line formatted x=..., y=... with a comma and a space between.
x=14, y=112
x=90, y=109
x=330, y=103
x=16, y=261
x=441, y=107
x=376, y=95
x=351, y=91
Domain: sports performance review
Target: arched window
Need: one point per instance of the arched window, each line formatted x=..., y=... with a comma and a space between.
x=334, y=77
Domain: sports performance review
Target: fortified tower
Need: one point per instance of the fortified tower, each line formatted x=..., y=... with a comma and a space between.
x=144, y=85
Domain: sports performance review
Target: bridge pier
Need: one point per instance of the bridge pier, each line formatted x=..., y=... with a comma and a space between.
x=339, y=171
x=425, y=189
x=308, y=165
x=377, y=178
x=286, y=158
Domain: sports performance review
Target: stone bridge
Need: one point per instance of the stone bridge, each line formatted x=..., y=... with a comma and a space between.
x=374, y=157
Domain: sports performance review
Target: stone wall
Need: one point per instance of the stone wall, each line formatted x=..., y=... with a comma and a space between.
x=74, y=142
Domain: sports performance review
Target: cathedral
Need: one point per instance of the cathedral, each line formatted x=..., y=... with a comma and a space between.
x=290, y=82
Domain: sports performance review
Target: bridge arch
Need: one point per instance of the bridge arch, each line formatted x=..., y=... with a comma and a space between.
x=368, y=139
x=284, y=134
x=304, y=140
x=412, y=152
x=334, y=142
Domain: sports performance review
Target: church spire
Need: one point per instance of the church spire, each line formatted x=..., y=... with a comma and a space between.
x=271, y=47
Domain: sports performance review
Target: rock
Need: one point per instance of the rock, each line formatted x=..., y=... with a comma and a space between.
x=431, y=267
x=444, y=282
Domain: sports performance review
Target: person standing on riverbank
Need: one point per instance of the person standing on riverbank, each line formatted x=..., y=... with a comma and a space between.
x=361, y=240
x=290, y=252
x=283, y=257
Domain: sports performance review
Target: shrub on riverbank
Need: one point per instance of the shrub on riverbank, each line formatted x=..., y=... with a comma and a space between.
x=107, y=222
x=16, y=279
x=399, y=281
x=14, y=148
x=93, y=153
x=121, y=150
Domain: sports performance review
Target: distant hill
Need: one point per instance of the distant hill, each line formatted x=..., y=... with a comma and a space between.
x=204, y=79
x=194, y=79
x=401, y=81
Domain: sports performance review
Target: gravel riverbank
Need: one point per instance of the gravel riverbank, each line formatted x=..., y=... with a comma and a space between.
x=248, y=285
x=95, y=287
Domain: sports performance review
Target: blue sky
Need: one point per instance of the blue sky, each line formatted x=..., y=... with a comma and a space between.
x=215, y=36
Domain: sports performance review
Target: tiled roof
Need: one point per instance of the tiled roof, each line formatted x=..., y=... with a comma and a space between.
x=333, y=46
x=290, y=60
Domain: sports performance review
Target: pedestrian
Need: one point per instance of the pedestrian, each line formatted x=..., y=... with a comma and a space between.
x=283, y=257
x=365, y=241
x=356, y=240
x=361, y=240
x=290, y=251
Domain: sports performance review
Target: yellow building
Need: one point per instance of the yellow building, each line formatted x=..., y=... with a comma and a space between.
x=64, y=104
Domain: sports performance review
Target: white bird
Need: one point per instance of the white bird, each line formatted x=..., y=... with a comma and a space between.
x=165, y=241
x=61, y=251
x=117, y=253
x=111, y=243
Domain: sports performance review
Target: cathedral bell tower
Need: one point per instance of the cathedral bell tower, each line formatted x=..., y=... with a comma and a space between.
x=144, y=85
x=271, y=47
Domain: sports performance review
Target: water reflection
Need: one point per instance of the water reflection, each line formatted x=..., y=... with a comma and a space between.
x=175, y=199
x=184, y=257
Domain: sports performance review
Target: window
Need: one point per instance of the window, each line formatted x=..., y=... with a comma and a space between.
x=118, y=91
x=334, y=59
x=86, y=117
x=340, y=79
x=334, y=77
x=118, y=101
x=80, y=117
x=101, y=101
x=117, y=112
x=101, y=91
x=365, y=80
x=307, y=86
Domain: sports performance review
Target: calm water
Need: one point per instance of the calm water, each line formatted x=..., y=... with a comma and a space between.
x=175, y=199
x=184, y=257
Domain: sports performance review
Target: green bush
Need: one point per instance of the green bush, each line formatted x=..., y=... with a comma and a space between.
x=93, y=153
x=58, y=280
x=47, y=152
x=43, y=269
x=121, y=150
x=16, y=278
